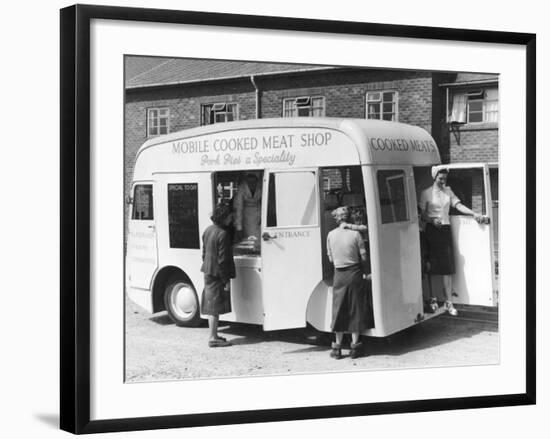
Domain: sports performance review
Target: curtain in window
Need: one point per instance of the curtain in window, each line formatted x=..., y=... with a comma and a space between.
x=491, y=105
x=458, y=111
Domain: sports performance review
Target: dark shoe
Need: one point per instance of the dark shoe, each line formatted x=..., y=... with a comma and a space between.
x=218, y=343
x=356, y=350
x=336, y=351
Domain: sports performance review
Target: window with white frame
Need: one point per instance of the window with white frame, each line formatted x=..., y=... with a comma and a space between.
x=158, y=121
x=474, y=106
x=382, y=105
x=305, y=106
x=218, y=113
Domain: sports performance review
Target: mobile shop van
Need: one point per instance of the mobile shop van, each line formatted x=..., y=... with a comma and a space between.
x=307, y=167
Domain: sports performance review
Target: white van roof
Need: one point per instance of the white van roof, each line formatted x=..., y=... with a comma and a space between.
x=286, y=143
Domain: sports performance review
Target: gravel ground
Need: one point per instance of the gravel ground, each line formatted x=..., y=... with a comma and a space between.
x=157, y=350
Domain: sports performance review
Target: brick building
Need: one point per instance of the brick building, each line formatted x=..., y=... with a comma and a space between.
x=166, y=94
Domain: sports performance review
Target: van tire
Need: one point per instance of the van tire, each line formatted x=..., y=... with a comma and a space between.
x=182, y=303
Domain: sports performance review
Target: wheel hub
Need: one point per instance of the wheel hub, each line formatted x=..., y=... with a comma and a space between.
x=184, y=301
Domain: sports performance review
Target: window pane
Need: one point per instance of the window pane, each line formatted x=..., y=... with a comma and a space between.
x=303, y=111
x=288, y=107
x=205, y=115
x=475, y=105
x=475, y=111
x=373, y=96
x=292, y=199
x=317, y=102
x=163, y=130
x=388, y=107
x=143, y=202
x=218, y=107
x=374, y=111
x=393, y=201
x=491, y=111
x=388, y=116
x=183, y=219
x=318, y=112
x=388, y=96
x=475, y=117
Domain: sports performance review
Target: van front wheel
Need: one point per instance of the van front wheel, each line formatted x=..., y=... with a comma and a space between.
x=182, y=303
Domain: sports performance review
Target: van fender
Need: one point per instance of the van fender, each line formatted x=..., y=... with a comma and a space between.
x=319, y=307
x=160, y=282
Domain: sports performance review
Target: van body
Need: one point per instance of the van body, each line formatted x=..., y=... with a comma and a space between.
x=307, y=167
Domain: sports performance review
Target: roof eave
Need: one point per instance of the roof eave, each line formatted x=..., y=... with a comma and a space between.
x=227, y=78
x=468, y=83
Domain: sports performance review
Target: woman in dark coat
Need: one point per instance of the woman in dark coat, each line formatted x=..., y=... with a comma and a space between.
x=218, y=268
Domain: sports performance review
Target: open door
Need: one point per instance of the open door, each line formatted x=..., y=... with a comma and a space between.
x=291, y=246
x=142, y=258
x=475, y=279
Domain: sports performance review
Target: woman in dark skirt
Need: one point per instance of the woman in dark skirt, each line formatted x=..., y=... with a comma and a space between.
x=351, y=311
x=218, y=268
x=435, y=203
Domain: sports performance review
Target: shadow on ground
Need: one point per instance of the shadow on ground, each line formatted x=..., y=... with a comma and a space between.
x=437, y=331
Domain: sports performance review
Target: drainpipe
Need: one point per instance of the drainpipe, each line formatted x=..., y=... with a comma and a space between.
x=447, y=106
x=258, y=112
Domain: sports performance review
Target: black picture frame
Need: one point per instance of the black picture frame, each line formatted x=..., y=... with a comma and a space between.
x=75, y=217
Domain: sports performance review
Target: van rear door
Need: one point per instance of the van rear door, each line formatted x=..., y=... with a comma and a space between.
x=474, y=282
x=142, y=258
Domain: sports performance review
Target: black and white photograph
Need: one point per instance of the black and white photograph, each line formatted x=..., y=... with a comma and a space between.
x=297, y=214
x=274, y=219
x=341, y=225
x=331, y=213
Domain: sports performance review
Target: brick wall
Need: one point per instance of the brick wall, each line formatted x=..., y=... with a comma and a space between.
x=474, y=143
x=345, y=93
x=185, y=112
x=421, y=102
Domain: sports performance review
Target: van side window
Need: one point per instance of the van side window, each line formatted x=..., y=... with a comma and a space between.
x=183, y=218
x=393, y=200
x=292, y=199
x=143, y=202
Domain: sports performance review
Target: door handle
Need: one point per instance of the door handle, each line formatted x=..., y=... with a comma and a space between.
x=266, y=236
x=151, y=227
